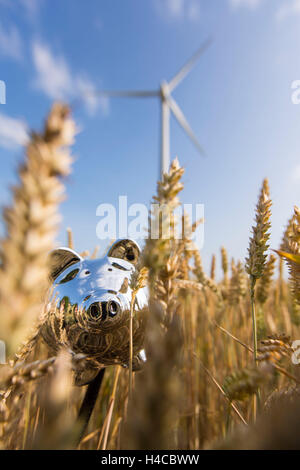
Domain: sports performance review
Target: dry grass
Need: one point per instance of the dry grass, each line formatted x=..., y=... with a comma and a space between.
x=201, y=387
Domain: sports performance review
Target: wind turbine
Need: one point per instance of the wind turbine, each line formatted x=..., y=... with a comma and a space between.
x=168, y=105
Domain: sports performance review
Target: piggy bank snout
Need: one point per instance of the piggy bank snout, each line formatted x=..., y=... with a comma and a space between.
x=103, y=310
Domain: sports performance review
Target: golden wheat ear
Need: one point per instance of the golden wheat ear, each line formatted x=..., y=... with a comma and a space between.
x=60, y=259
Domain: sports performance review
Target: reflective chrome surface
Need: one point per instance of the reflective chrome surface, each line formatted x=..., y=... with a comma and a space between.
x=92, y=299
x=96, y=282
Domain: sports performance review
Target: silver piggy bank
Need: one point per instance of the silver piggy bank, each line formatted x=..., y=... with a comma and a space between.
x=90, y=308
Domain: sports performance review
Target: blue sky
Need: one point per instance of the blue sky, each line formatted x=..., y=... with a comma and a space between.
x=237, y=100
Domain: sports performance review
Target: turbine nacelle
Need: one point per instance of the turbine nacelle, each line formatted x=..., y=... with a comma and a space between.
x=164, y=90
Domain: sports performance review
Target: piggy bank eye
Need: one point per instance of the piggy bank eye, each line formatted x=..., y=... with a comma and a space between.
x=84, y=273
x=71, y=275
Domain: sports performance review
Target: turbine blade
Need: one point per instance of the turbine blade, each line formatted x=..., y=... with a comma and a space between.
x=184, y=124
x=125, y=93
x=188, y=65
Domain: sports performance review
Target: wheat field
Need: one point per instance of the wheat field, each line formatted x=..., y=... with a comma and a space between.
x=219, y=371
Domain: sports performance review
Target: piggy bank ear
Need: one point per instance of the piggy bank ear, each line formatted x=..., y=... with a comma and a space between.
x=128, y=250
x=60, y=259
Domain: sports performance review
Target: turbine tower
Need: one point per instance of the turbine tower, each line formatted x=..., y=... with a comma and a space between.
x=168, y=106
